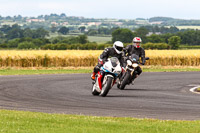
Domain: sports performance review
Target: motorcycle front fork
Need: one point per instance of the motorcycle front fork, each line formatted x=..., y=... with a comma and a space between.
x=133, y=76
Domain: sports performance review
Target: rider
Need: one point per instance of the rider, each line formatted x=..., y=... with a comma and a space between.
x=136, y=49
x=115, y=51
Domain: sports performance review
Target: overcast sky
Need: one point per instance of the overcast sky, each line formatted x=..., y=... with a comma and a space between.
x=121, y=9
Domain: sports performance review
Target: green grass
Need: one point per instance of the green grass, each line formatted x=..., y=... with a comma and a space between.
x=30, y=122
x=188, y=27
x=189, y=47
x=10, y=71
x=170, y=69
x=97, y=39
x=42, y=71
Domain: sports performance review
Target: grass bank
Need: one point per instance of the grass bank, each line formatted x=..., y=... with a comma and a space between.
x=31, y=122
x=31, y=71
x=69, y=70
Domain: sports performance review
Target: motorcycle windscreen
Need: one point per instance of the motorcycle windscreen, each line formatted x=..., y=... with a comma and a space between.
x=114, y=61
x=134, y=58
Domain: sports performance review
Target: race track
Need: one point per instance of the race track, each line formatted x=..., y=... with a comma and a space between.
x=157, y=95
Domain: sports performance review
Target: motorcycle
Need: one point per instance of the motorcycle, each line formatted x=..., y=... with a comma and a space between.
x=106, y=77
x=130, y=71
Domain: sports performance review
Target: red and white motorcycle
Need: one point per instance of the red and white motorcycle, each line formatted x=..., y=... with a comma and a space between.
x=106, y=77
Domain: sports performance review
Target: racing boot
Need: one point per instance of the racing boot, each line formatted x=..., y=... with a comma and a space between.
x=93, y=76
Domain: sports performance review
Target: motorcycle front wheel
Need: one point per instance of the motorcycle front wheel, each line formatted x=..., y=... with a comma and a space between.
x=106, y=87
x=94, y=91
x=125, y=80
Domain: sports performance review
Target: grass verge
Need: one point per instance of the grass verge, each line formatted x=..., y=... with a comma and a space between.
x=30, y=71
x=170, y=68
x=31, y=122
x=20, y=71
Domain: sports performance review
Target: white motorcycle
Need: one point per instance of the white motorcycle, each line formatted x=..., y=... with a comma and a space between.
x=106, y=77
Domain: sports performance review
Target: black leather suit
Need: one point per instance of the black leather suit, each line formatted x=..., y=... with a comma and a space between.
x=108, y=52
x=130, y=49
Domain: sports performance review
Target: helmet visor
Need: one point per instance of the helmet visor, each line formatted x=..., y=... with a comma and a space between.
x=136, y=44
x=119, y=48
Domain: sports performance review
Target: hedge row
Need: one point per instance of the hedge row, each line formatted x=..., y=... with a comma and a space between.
x=94, y=46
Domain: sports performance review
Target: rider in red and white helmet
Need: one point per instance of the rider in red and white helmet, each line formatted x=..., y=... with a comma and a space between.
x=138, y=50
x=136, y=42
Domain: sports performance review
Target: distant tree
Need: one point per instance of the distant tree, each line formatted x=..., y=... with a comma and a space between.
x=25, y=39
x=40, y=16
x=174, y=42
x=124, y=35
x=104, y=31
x=173, y=29
x=154, y=19
x=13, y=43
x=14, y=32
x=28, y=32
x=166, y=36
x=61, y=46
x=5, y=29
x=26, y=45
x=8, y=18
x=83, y=39
x=53, y=29
x=63, y=15
x=38, y=42
x=40, y=33
x=92, y=32
x=54, y=15
x=70, y=40
x=82, y=29
x=142, y=32
x=63, y=30
x=155, y=38
x=190, y=37
x=1, y=34
x=3, y=45
x=19, y=17
x=113, y=29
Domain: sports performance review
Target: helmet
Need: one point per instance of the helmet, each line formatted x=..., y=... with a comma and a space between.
x=136, y=42
x=118, y=46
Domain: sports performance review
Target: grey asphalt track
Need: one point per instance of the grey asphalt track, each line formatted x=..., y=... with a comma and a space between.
x=160, y=95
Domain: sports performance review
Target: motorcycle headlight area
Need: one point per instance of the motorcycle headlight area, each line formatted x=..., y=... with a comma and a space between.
x=129, y=62
x=107, y=68
x=135, y=65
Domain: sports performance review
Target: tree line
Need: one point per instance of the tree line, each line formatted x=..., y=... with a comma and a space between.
x=187, y=37
x=16, y=37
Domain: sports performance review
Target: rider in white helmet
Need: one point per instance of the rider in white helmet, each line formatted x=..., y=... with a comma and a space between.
x=115, y=51
x=118, y=46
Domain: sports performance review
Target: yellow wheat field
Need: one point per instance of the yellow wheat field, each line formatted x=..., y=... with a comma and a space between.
x=87, y=58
